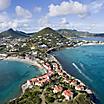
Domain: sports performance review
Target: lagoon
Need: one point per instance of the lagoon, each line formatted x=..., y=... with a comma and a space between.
x=87, y=64
x=12, y=75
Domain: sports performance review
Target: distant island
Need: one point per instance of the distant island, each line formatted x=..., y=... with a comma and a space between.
x=56, y=86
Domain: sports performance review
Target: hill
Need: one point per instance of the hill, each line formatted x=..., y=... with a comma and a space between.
x=61, y=33
x=48, y=37
x=99, y=35
x=74, y=33
x=13, y=34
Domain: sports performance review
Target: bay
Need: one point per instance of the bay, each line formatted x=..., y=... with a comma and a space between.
x=12, y=75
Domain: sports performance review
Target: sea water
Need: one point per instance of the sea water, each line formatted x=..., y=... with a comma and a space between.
x=87, y=64
x=12, y=75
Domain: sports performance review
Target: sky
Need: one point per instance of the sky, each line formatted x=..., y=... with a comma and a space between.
x=33, y=15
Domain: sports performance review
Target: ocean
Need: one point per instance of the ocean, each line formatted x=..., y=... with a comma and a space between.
x=91, y=38
x=12, y=75
x=87, y=64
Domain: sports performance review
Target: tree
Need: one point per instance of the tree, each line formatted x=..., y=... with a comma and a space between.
x=49, y=99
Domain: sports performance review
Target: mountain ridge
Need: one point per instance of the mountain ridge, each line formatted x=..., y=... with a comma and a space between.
x=61, y=32
x=12, y=33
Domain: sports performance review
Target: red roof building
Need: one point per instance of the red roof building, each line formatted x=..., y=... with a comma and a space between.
x=79, y=88
x=67, y=94
x=57, y=89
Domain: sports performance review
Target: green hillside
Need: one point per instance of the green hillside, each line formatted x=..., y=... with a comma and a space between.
x=13, y=34
x=74, y=33
x=48, y=37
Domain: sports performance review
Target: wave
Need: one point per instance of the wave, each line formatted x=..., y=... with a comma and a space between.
x=82, y=72
x=82, y=66
x=76, y=67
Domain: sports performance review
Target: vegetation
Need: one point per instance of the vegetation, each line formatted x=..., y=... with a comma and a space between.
x=74, y=33
x=13, y=34
x=40, y=43
x=45, y=94
x=30, y=97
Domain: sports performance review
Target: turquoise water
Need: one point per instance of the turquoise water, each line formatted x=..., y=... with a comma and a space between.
x=91, y=38
x=12, y=75
x=87, y=64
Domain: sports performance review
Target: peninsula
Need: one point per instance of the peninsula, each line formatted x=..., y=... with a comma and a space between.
x=56, y=86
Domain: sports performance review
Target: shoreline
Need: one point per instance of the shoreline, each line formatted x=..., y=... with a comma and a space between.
x=35, y=63
x=86, y=44
x=27, y=61
x=74, y=46
x=63, y=71
x=89, y=44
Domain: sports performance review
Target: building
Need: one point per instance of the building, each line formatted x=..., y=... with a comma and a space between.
x=57, y=89
x=73, y=82
x=68, y=94
x=79, y=88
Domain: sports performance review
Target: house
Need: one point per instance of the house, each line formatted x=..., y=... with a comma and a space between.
x=89, y=91
x=50, y=73
x=33, y=80
x=79, y=88
x=29, y=84
x=43, y=46
x=66, y=81
x=38, y=83
x=26, y=86
x=73, y=82
x=60, y=72
x=67, y=94
x=57, y=89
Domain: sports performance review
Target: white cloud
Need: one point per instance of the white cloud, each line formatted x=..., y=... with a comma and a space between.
x=44, y=21
x=3, y=17
x=16, y=23
x=96, y=6
x=22, y=12
x=37, y=9
x=64, y=21
x=4, y=4
x=68, y=7
x=75, y=7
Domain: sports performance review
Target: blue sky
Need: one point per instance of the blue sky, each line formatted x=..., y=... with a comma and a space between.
x=33, y=15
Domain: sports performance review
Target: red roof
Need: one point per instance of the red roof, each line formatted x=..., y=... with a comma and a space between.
x=74, y=81
x=58, y=88
x=80, y=86
x=68, y=93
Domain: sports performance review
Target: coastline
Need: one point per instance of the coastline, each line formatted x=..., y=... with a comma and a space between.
x=76, y=45
x=35, y=63
x=88, y=44
x=63, y=71
x=85, y=44
x=27, y=61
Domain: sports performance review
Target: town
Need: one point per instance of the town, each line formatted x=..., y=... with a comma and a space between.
x=55, y=86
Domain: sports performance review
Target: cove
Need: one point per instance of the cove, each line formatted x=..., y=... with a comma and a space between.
x=85, y=63
x=12, y=75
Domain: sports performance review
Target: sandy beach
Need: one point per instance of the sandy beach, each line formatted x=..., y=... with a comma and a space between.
x=27, y=61
x=87, y=44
